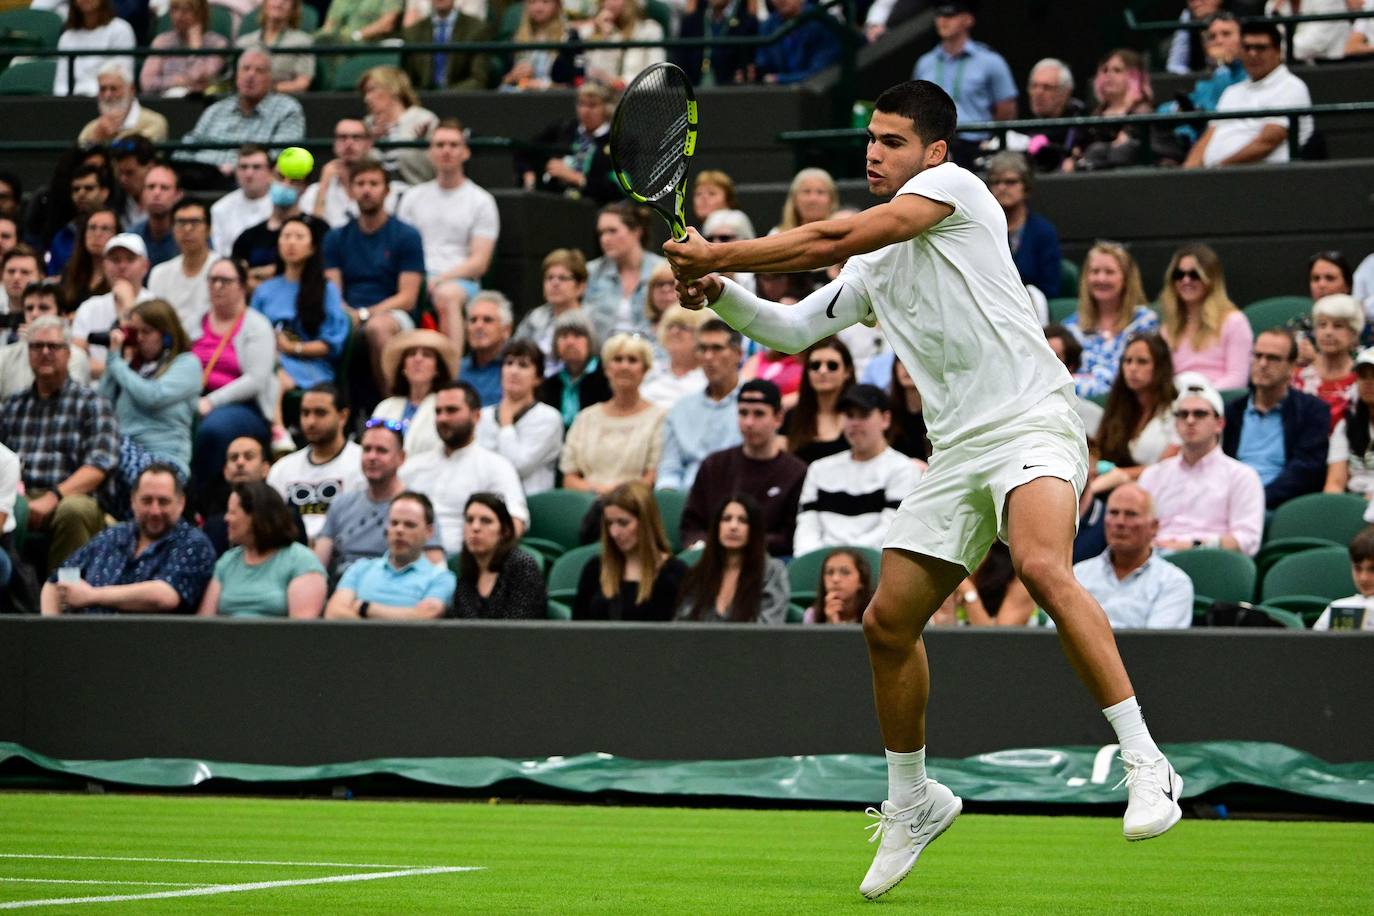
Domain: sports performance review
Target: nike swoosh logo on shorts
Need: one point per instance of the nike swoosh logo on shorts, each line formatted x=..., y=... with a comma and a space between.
x=830, y=309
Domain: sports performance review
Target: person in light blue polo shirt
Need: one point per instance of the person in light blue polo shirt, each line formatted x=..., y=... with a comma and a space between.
x=704, y=422
x=401, y=584
x=974, y=75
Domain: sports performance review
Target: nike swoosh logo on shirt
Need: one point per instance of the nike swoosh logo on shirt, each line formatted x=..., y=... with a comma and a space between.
x=830, y=309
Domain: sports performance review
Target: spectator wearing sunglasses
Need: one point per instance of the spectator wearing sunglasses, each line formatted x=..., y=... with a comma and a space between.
x=1202, y=326
x=1202, y=496
x=730, y=226
x=40, y=297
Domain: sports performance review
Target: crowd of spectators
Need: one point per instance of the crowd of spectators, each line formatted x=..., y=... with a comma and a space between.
x=170, y=349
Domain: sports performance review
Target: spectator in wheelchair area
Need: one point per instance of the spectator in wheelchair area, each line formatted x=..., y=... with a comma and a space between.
x=1356, y=612
x=496, y=580
x=66, y=439
x=355, y=525
x=635, y=577
x=843, y=590
x=735, y=580
x=1204, y=498
x=1135, y=585
x=402, y=584
x=267, y=573
x=1280, y=432
x=157, y=563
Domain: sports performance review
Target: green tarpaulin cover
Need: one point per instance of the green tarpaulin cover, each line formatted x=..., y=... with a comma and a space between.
x=1057, y=775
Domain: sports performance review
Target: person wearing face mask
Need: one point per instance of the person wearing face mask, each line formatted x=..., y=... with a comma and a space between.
x=257, y=245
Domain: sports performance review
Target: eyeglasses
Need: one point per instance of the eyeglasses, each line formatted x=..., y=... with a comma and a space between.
x=1186, y=275
x=710, y=348
x=660, y=284
x=42, y=346
x=223, y=281
x=396, y=426
x=1002, y=182
x=187, y=222
x=1196, y=414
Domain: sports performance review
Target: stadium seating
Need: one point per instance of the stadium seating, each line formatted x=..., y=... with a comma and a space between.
x=1062, y=307
x=670, y=506
x=31, y=28
x=344, y=72
x=1276, y=311
x=1311, y=521
x=33, y=77
x=566, y=571
x=221, y=22
x=805, y=571
x=1307, y=582
x=556, y=520
x=1217, y=575
x=1068, y=279
x=690, y=556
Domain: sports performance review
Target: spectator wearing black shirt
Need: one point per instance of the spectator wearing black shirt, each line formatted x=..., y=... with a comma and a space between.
x=636, y=577
x=496, y=579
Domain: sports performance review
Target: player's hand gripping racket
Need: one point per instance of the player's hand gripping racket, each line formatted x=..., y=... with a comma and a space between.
x=652, y=137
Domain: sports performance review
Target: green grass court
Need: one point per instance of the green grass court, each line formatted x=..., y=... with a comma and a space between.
x=593, y=859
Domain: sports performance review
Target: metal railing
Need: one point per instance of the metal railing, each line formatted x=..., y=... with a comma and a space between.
x=853, y=136
x=1196, y=25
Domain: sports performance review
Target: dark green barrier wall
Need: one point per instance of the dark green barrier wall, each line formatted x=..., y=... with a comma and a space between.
x=291, y=693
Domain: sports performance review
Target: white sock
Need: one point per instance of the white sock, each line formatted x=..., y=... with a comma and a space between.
x=906, y=777
x=1131, y=732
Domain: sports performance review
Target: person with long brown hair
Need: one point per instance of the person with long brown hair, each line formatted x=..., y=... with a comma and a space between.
x=1111, y=308
x=496, y=579
x=844, y=589
x=814, y=427
x=1137, y=428
x=1203, y=327
x=84, y=275
x=735, y=581
x=636, y=576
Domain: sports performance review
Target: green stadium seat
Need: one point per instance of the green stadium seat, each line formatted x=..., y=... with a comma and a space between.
x=557, y=610
x=795, y=612
x=690, y=556
x=21, y=523
x=670, y=506
x=221, y=21
x=556, y=520
x=510, y=21
x=804, y=572
x=1062, y=307
x=344, y=76
x=1276, y=311
x=1230, y=394
x=661, y=13
x=30, y=28
x=34, y=77
x=1306, y=582
x=1306, y=522
x=1068, y=278
x=1217, y=575
x=567, y=569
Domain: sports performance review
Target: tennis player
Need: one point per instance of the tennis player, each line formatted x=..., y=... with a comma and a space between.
x=932, y=266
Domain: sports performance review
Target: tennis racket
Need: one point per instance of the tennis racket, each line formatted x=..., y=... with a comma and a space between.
x=653, y=136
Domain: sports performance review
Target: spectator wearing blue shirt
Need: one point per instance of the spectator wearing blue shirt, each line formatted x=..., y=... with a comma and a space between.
x=376, y=261
x=974, y=75
x=1280, y=432
x=401, y=584
x=704, y=422
x=157, y=563
x=803, y=52
x=489, y=324
x=1033, y=239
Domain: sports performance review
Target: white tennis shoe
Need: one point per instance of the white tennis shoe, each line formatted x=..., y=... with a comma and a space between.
x=1153, y=789
x=903, y=834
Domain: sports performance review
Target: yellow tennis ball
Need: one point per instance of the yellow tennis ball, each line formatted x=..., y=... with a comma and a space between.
x=295, y=163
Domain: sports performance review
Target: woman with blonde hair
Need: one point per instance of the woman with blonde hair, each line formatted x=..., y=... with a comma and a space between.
x=621, y=20
x=279, y=30
x=618, y=440
x=394, y=113
x=679, y=372
x=197, y=71
x=636, y=576
x=542, y=21
x=1111, y=309
x=1337, y=321
x=813, y=196
x=1202, y=326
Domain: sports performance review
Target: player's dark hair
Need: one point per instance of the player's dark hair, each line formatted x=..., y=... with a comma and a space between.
x=271, y=521
x=861, y=566
x=702, y=583
x=1267, y=29
x=929, y=107
x=1123, y=414
x=800, y=422
x=467, y=563
x=310, y=292
x=1362, y=546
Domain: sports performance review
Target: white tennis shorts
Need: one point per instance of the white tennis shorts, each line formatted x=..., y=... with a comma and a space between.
x=958, y=508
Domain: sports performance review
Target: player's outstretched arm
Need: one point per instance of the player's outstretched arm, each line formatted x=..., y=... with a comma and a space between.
x=789, y=328
x=810, y=247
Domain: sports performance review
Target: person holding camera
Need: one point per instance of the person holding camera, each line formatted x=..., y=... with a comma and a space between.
x=126, y=266
x=152, y=379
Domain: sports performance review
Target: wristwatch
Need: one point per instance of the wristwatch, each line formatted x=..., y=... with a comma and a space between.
x=362, y=608
x=298, y=348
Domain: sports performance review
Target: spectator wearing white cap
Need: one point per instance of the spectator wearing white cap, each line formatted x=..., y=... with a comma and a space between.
x=1203, y=498
x=126, y=266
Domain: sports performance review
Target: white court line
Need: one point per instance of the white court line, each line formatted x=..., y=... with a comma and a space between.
x=237, y=888
x=93, y=881
x=30, y=855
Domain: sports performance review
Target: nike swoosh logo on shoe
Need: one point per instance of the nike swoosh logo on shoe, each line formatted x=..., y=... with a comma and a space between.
x=1169, y=792
x=914, y=828
x=830, y=309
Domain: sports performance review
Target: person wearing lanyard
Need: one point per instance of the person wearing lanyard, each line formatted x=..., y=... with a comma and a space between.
x=974, y=75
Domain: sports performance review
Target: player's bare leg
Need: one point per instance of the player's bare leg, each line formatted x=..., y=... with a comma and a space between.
x=1040, y=526
x=911, y=588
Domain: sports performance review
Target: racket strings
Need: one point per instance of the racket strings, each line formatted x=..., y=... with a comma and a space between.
x=650, y=148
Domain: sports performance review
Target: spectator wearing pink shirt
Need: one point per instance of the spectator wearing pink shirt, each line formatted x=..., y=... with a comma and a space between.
x=198, y=70
x=1204, y=498
x=1202, y=326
